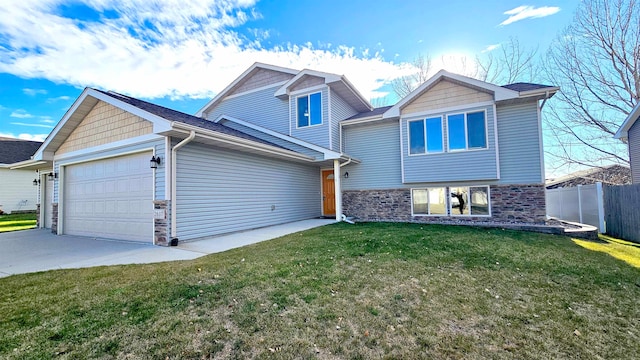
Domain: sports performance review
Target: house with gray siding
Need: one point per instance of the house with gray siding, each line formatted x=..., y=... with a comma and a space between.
x=629, y=133
x=279, y=145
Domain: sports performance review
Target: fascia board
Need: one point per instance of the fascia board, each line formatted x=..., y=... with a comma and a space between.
x=623, y=131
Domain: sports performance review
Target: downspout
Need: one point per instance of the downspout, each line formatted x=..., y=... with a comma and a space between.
x=174, y=211
x=544, y=100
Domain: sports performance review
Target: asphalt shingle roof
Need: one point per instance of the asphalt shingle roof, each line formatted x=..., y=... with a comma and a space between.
x=15, y=150
x=374, y=112
x=173, y=115
x=521, y=86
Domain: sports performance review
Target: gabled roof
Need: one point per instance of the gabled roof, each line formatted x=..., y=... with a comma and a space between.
x=174, y=115
x=623, y=132
x=338, y=83
x=15, y=150
x=247, y=73
x=500, y=93
x=164, y=121
x=367, y=114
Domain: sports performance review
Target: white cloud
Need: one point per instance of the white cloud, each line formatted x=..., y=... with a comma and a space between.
x=32, y=137
x=34, y=92
x=528, y=12
x=191, y=50
x=59, y=98
x=32, y=125
x=21, y=114
x=46, y=119
x=490, y=48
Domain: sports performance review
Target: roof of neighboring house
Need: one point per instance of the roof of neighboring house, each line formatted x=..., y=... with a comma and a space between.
x=521, y=86
x=610, y=175
x=634, y=115
x=366, y=114
x=15, y=150
x=173, y=115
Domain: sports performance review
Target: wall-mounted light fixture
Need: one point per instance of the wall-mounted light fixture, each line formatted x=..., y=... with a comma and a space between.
x=346, y=175
x=52, y=176
x=36, y=182
x=154, y=162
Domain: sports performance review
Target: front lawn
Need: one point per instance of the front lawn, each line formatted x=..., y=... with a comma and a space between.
x=340, y=291
x=13, y=222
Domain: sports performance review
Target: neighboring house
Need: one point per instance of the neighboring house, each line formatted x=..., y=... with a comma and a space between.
x=17, y=191
x=279, y=145
x=629, y=133
x=608, y=175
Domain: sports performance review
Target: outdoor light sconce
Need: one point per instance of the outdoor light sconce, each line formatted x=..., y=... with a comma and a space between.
x=52, y=176
x=36, y=182
x=154, y=162
x=346, y=175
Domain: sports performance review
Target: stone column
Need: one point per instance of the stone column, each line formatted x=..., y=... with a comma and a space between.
x=160, y=223
x=54, y=218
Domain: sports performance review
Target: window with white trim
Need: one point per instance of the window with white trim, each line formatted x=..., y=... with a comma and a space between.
x=425, y=136
x=467, y=131
x=471, y=201
x=451, y=201
x=429, y=201
x=309, y=109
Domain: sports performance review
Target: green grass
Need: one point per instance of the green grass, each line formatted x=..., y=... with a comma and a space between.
x=14, y=222
x=341, y=291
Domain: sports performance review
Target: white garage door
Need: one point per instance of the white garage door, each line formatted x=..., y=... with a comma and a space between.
x=110, y=198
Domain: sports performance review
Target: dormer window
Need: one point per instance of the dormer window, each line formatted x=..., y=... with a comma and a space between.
x=309, y=110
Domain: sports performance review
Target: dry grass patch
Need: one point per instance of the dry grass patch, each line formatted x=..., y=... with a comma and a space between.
x=340, y=291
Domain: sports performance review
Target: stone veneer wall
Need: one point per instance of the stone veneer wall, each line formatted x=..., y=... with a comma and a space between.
x=161, y=226
x=37, y=215
x=510, y=203
x=54, y=218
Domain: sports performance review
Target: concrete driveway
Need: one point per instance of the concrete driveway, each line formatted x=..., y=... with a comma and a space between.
x=39, y=250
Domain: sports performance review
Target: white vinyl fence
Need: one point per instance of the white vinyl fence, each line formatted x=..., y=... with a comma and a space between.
x=583, y=204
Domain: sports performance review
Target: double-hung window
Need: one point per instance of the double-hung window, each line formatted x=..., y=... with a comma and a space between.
x=425, y=136
x=467, y=131
x=309, y=109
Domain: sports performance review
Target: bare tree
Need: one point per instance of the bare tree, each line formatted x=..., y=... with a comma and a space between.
x=404, y=85
x=596, y=62
x=507, y=64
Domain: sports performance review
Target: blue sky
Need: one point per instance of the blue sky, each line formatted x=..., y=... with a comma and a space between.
x=181, y=53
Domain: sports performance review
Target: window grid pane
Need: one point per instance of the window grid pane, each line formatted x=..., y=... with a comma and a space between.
x=315, y=101
x=476, y=130
x=420, y=202
x=459, y=201
x=479, y=200
x=416, y=137
x=437, y=201
x=303, y=111
x=457, y=140
x=434, y=134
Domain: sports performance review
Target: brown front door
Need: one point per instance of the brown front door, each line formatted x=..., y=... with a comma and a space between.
x=328, y=194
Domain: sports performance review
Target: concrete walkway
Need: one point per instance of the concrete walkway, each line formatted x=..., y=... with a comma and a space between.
x=38, y=250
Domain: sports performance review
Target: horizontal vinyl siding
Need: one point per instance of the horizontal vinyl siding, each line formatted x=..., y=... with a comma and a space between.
x=17, y=191
x=258, y=107
x=275, y=140
x=221, y=191
x=519, y=144
x=377, y=146
x=634, y=151
x=340, y=110
x=317, y=134
x=451, y=166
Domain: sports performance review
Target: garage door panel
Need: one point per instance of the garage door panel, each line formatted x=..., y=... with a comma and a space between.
x=110, y=198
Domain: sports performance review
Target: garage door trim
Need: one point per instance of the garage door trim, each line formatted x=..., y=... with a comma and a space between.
x=61, y=176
